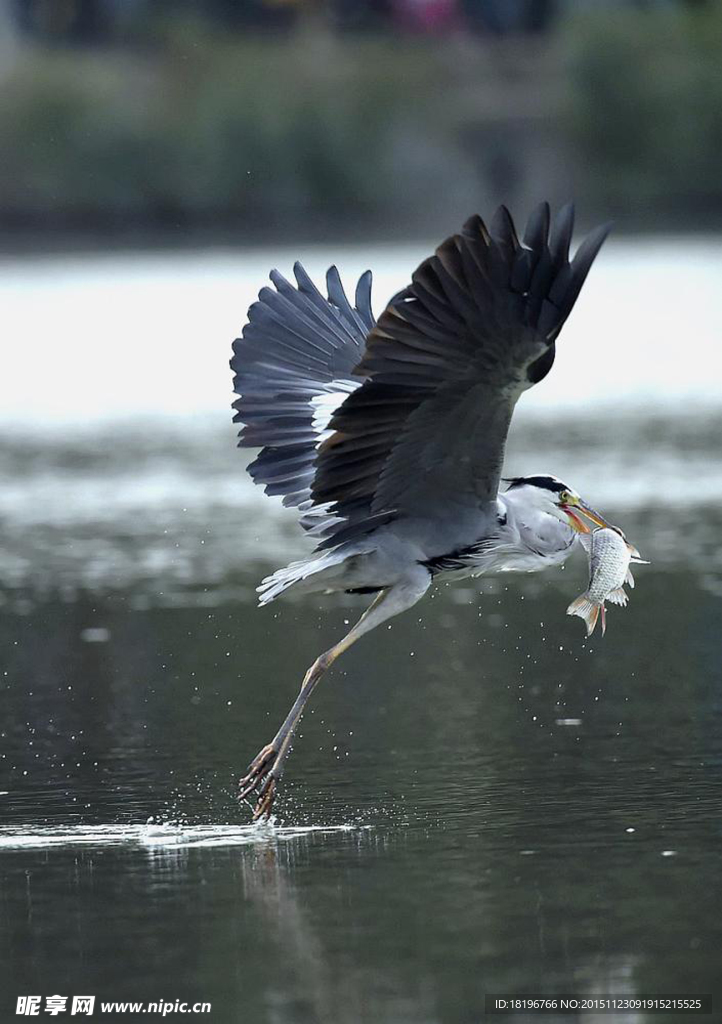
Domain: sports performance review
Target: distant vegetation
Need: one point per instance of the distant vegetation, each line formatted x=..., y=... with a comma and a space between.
x=645, y=117
x=315, y=134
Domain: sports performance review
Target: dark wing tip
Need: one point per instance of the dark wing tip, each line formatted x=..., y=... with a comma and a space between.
x=596, y=238
x=502, y=228
x=568, y=278
x=587, y=253
x=560, y=236
x=536, y=232
x=475, y=228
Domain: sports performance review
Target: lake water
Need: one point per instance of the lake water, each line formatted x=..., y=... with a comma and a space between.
x=480, y=801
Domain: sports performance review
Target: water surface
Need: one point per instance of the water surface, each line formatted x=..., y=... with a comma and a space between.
x=481, y=800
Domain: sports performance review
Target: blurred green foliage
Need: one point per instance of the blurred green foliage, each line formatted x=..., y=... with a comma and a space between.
x=252, y=131
x=645, y=111
x=317, y=134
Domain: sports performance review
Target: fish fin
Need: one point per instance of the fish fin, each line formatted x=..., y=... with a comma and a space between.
x=629, y=579
x=586, y=610
x=604, y=620
x=618, y=596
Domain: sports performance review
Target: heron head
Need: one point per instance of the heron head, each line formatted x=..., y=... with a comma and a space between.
x=551, y=495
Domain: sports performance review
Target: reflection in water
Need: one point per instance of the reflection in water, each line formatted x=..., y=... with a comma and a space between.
x=269, y=884
x=507, y=853
x=301, y=950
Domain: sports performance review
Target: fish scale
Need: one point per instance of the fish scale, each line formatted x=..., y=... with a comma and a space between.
x=609, y=564
x=609, y=557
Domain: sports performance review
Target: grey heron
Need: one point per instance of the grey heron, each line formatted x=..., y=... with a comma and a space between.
x=388, y=435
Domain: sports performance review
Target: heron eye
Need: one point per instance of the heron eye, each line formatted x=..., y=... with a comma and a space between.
x=564, y=498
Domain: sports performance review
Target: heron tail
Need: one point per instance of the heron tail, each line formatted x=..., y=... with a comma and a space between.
x=308, y=574
x=587, y=610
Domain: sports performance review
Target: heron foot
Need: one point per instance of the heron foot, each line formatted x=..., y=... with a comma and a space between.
x=261, y=781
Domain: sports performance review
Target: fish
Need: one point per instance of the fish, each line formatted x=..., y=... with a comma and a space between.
x=609, y=556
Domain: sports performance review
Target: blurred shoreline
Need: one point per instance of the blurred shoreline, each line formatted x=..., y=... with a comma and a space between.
x=191, y=135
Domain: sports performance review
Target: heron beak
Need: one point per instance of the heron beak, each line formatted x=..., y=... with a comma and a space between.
x=590, y=513
x=574, y=521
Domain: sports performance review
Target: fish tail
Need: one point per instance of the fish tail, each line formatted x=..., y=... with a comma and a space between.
x=586, y=610
x=618, y=596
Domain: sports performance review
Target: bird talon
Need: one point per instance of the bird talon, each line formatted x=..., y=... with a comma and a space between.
x=266, y=796
x=260, y=781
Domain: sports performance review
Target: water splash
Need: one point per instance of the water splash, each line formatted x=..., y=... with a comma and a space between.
x=170, y=834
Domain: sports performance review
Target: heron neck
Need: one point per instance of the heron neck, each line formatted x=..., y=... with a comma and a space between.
x=538, y=530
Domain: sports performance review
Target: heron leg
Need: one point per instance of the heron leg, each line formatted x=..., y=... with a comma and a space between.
x=267, y=767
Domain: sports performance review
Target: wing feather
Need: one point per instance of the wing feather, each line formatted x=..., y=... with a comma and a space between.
x=443, y=369
x=298, y=348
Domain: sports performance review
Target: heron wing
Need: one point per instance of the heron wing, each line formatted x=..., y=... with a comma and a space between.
x=443, y=369
x=292, y=367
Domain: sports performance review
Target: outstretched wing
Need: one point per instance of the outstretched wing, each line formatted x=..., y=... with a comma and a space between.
x=292, y=367
x=444, y=367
